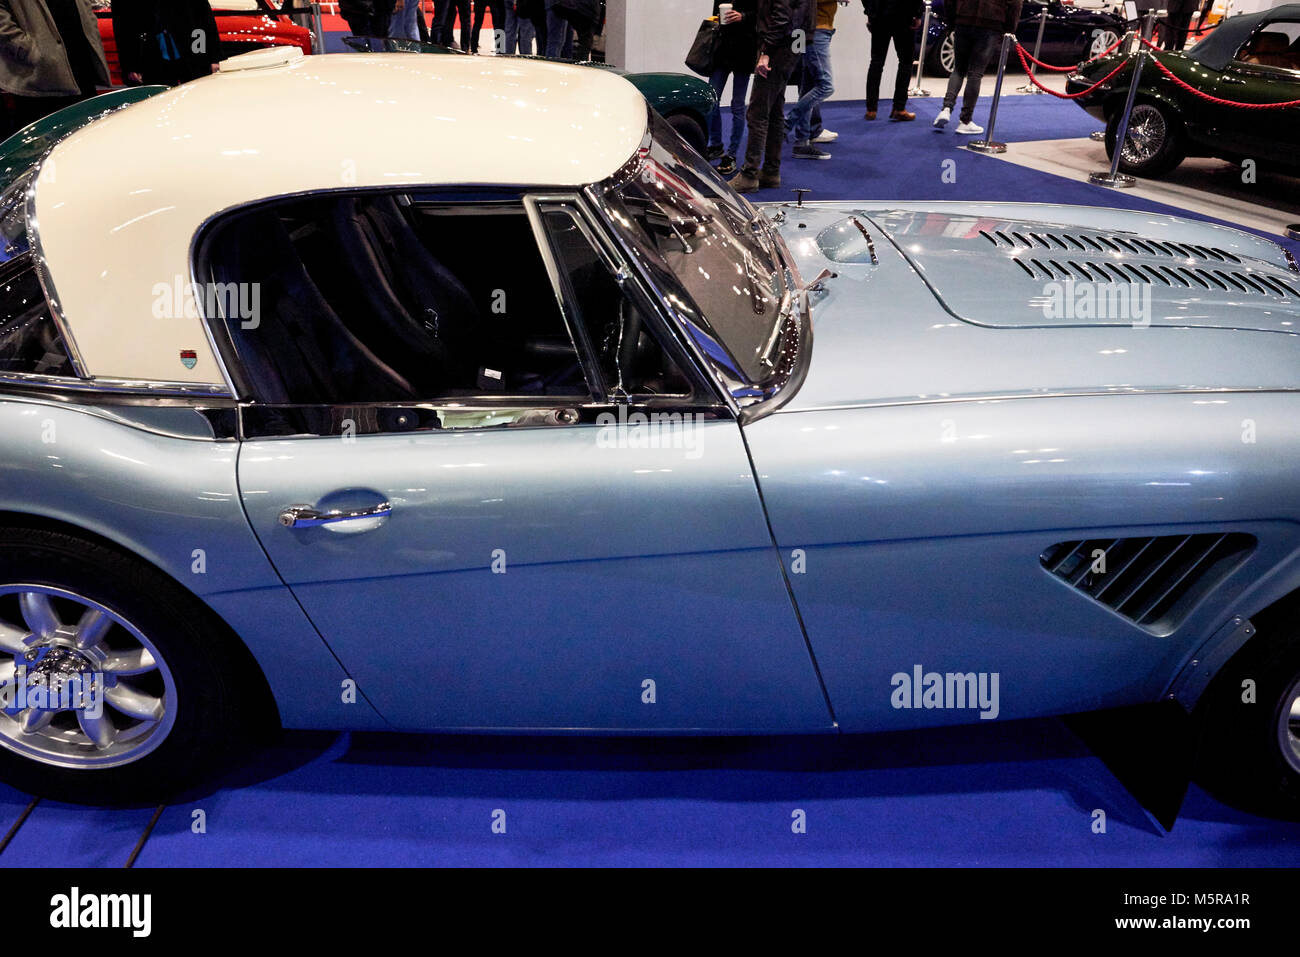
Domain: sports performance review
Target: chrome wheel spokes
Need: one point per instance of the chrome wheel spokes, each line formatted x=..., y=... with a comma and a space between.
x=1288, y=726
x=1146, y=134
x=38, y=613
x=82, y=686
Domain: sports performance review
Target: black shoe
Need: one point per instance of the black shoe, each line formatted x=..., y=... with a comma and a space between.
x=713, y=152
x=807, y=151
x=728, y=165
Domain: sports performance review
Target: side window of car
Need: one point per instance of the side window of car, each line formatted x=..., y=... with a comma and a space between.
x=623, y=338
x=30, y=342
x=386, y=298
x=1276, y=46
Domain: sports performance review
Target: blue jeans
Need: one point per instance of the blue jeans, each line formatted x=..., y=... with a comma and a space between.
x=520, y=35
x=559, y=36
x=817, y=61
x=739, y=91
x=403, y=24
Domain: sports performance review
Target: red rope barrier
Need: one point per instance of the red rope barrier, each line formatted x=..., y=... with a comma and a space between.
x=1066, y=69
x=1066, y=96
x=1214, y=99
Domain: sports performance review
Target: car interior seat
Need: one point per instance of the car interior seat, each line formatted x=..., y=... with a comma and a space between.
x=1271, y=49
x=300, y=351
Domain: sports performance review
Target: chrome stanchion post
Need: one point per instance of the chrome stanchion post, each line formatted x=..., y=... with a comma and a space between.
x=917, y=89
x=989, y=144
x=317, y=30
x=1113, y=177
x=1038, y=46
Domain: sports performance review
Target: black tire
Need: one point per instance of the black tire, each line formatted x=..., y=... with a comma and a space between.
x=1243, y=759
x=217, y=697
x=691, y=129
x=1155, y=135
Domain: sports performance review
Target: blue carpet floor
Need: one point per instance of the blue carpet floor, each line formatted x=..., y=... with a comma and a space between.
x=1020, y=793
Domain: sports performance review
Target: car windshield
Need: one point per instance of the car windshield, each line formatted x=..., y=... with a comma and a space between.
x=719, y=249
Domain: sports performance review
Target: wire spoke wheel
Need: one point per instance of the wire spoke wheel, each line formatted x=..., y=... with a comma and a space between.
x=82, y=686
x=1147, y=133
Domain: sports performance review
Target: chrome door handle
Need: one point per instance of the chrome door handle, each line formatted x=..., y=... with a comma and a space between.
x=308, y=516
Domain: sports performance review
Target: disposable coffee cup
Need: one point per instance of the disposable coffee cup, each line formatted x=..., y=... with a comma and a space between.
x=723, y=10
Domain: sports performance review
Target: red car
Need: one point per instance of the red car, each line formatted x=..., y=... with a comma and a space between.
x=242, y=24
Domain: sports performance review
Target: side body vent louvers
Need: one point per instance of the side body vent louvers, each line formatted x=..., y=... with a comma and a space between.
x=1073, y=256
x=1153, y=582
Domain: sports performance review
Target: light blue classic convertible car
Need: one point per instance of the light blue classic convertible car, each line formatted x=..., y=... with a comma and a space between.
x=516, y=418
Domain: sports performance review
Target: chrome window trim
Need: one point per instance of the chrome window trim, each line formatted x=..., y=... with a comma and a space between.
x=43, y=271
x=116, y=386
x=585, y=415
x=589, y=221
x=660, y=296
x=577, y=334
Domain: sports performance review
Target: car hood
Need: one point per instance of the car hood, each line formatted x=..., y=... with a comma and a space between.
x=1023, y=299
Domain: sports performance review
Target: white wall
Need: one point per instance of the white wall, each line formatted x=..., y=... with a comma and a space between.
x=656, y=35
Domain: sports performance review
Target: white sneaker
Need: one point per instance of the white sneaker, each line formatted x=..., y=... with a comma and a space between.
x=942, y=119
x=826, y=136
x=969, y=128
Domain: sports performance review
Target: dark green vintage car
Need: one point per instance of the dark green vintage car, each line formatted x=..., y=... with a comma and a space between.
x=1252, y=58
x=685, y=101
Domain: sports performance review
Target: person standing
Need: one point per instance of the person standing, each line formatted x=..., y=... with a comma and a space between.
x=366, y=18
x=534, y=11
x=448, y=11
x=481, y=8
x=50, y=55
x=892, y=22
x=819, y=83
x=782, y=25
x=165, y=41
x=519, y=28
x=1173, y=32
x=737, y=54
x=404, y=22
x=581, y=16
x=979, y=26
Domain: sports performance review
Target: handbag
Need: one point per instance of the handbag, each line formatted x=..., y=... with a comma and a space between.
x=703, y=58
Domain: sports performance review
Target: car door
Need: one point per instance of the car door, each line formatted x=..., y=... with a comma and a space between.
x=563, y=535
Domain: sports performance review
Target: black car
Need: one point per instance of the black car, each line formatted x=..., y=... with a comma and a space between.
x=1072, y=34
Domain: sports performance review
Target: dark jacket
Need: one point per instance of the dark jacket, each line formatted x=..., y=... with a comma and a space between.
x=578, y=11
x=738, y=51
x=33, y=61
x=779, y=19
x=1002, y=16
x=891, y=11
x=142, y=28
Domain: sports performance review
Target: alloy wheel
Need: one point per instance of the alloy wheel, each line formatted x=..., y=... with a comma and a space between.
x=1288, y=726
x=1101, y=42
x=81, y=686
x=948, y=53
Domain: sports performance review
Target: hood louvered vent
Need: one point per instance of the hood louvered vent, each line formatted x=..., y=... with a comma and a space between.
x=1060, y=256
x=1153, y=582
